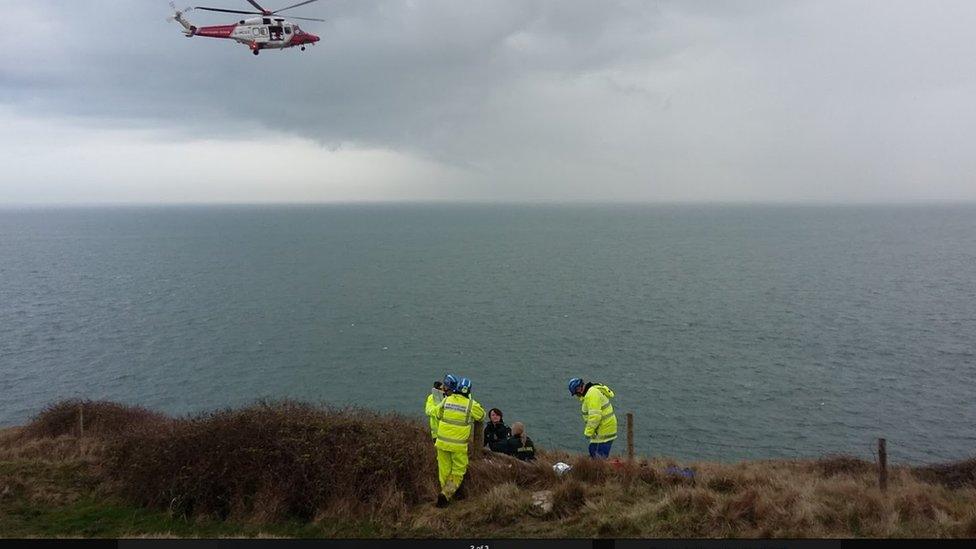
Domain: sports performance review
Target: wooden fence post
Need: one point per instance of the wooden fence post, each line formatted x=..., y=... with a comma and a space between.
x=477, y=439
x=630, y=436
x=882, y=464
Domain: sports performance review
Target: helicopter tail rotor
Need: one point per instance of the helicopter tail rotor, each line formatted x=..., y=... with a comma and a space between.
x=188, y=29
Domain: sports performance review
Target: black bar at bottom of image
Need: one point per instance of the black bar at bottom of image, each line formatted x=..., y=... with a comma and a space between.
x=355, y=544
x=792, y=544
x=727, y=544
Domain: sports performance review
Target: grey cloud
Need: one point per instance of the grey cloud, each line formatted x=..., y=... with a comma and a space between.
x=550, y=99
x=388, y=69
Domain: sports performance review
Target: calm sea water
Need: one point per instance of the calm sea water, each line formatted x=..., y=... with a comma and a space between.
x=731, y=332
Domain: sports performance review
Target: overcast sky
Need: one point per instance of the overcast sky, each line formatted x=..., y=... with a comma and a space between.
x=562, y=100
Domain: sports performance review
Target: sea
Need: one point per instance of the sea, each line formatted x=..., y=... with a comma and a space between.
x=730, y=332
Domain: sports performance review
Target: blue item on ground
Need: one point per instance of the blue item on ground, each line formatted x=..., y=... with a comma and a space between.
x=685, y=472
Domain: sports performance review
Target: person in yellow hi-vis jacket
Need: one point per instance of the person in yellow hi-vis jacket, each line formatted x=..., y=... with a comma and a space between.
x=455, y=415
x=430, y=407
x=598, y=417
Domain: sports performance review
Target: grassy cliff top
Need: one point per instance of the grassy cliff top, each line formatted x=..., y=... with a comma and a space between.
x=297, y=470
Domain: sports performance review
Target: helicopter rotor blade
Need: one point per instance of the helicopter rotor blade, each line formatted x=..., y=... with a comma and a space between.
x=295, y=6
x=172, y=4
x=306, y=19
x=227, y=11
x=259, y=7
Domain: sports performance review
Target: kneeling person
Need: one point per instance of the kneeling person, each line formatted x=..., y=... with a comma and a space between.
x=519, y=445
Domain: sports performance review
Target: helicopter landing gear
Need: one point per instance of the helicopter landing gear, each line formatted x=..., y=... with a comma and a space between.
x=255, y=52
x=303, y=48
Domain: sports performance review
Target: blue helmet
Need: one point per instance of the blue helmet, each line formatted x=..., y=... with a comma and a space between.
x=574, y=385
x=464, y=386
x=450, y=382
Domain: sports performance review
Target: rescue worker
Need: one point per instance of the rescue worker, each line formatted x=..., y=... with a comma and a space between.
x=430, y=407
x=455, y=414
x=600, y=423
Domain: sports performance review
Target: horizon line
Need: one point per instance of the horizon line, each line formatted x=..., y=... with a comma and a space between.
x=476, y=202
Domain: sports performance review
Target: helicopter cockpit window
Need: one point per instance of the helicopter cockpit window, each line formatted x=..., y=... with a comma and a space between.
x=287, y=30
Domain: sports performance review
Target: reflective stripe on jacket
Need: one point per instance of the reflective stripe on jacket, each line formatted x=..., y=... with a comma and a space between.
x=515, y=447
x=598, y=417
x=456, y=414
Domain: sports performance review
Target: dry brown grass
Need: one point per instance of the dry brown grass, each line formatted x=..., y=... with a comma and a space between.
x=840, y=464
x=502, y=505
x=493, y=469
x=63, y=448
x=567, y=499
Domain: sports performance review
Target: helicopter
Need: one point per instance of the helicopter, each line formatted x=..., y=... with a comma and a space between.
x=258, y=33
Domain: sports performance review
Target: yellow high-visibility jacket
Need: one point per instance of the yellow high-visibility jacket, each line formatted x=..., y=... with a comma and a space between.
x=598, y=417
x=455, y=416
x=430, y=408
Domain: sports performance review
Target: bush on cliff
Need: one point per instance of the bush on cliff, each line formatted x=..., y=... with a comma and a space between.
x=97, y=417
x=275, y=461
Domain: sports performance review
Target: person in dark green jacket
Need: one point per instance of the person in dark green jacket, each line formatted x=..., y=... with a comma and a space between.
x=518, y=445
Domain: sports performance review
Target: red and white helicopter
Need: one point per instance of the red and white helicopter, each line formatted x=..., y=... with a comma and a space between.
x=258, y=33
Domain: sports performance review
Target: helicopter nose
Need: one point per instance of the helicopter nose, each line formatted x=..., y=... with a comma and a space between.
x=313, y=38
